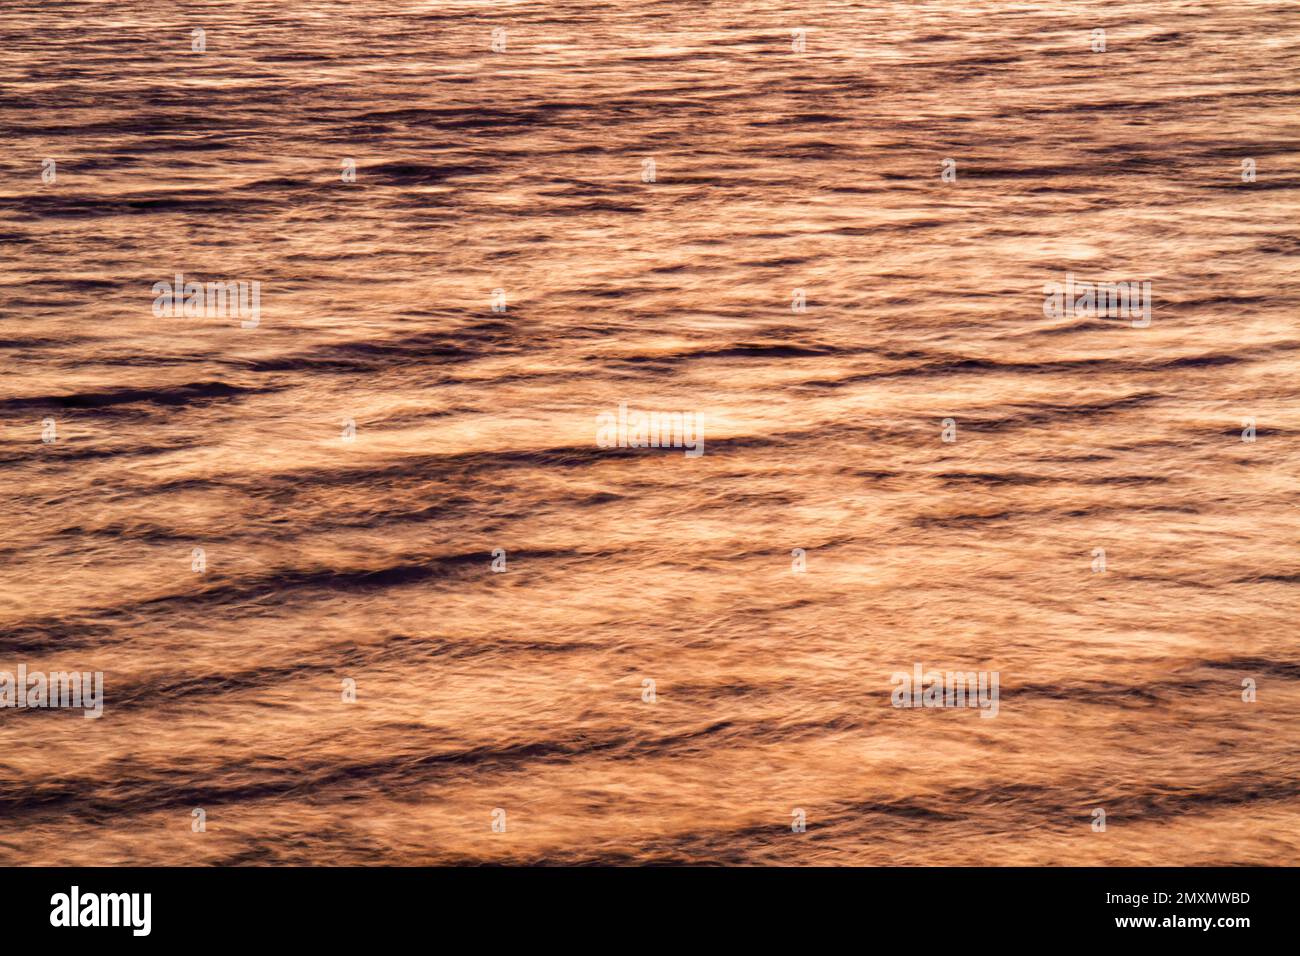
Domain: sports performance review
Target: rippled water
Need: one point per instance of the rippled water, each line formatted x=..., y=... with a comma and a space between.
x=328, y=560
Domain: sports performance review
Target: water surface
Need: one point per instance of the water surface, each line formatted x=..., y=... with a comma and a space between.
x=369, y=560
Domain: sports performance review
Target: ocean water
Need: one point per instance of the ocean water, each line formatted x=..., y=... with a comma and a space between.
x=801, y=280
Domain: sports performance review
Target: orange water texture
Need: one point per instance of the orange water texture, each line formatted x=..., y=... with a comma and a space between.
x=370, y=560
